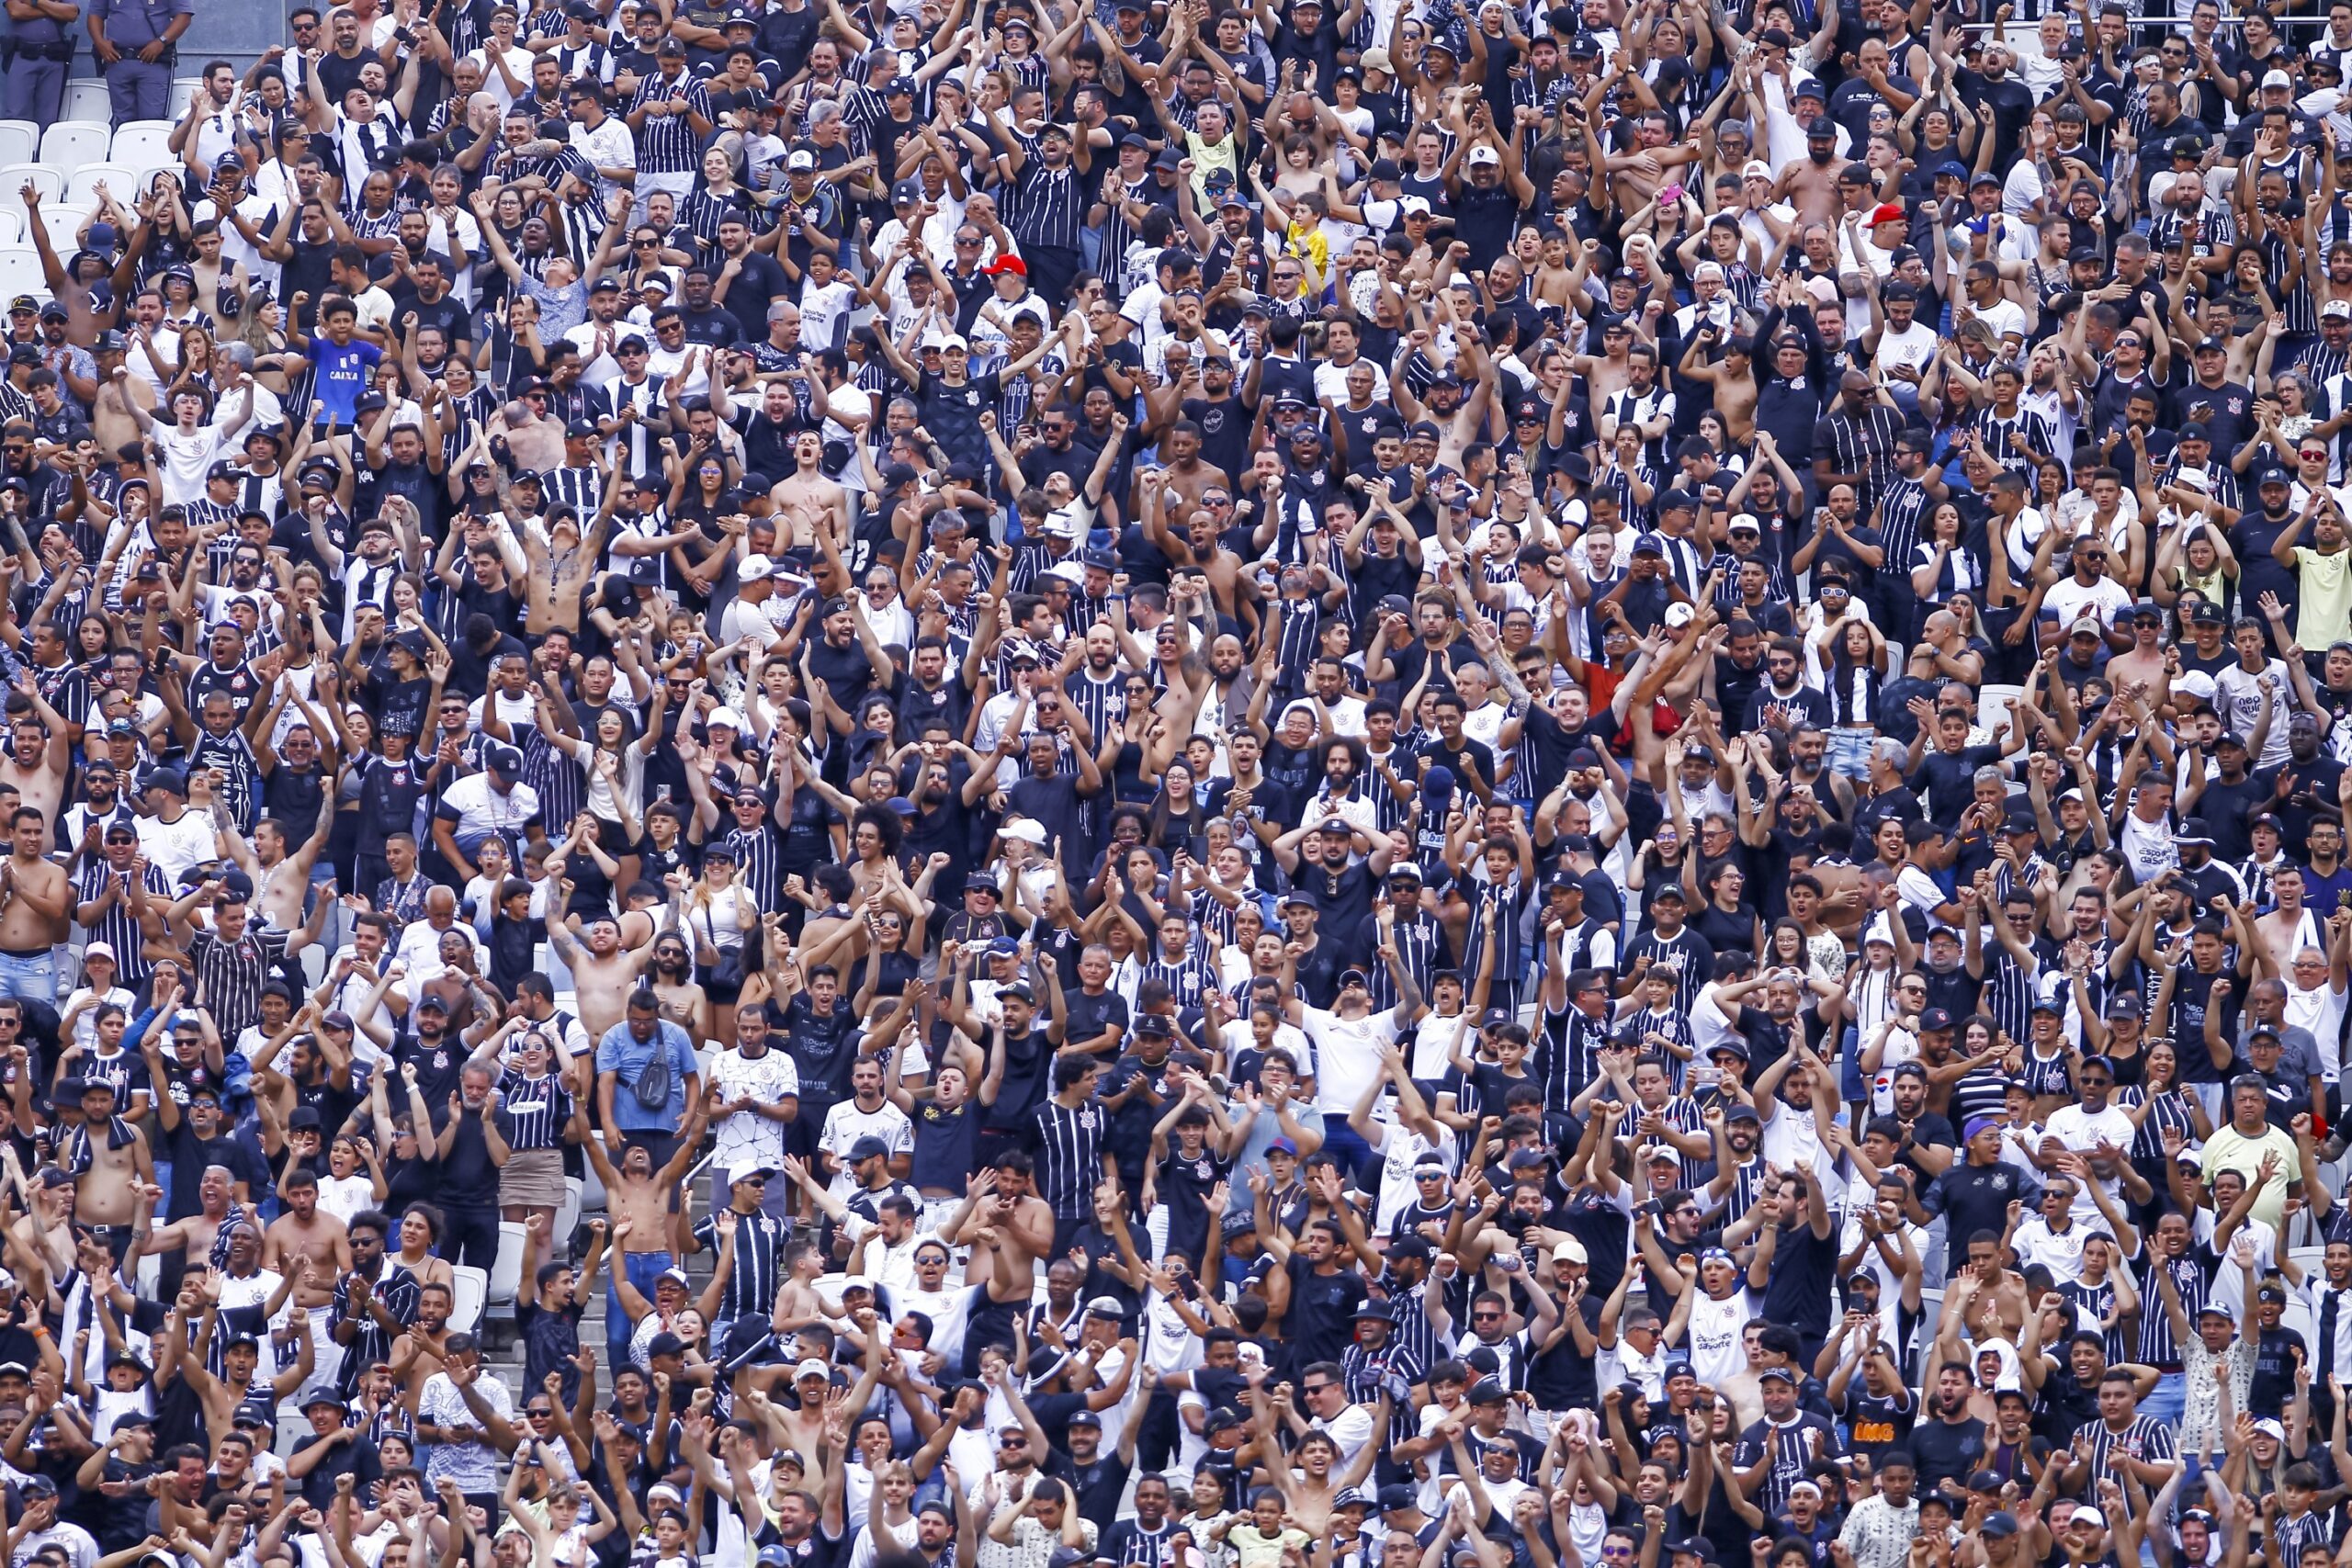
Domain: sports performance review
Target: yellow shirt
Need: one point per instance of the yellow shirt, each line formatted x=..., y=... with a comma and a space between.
x=2326, y=580
x=2228, y=1149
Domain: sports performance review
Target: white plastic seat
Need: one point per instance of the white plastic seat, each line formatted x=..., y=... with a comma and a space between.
x=591, y=1191
x=1931, y=1313
x=72, y=142
x=19, y=142
x=121, y=180
x=14, y=178
x=2309, y=1259
x=20, y=271
x=2297, y=1317
x=63, y=222
x=87, y=101
x=506, y=1273
x=567, y=1218
x=184, y=92
x=143, y=144
x=472, y=1291
x=12, y=226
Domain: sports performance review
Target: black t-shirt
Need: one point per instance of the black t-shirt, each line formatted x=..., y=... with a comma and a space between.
x=1321, y=1320
x=1878, y=1425
x=356, y=1457
x=437, y=1066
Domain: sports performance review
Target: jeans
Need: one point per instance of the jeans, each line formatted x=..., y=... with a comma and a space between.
x=1342, y=1144
x=2169, y=1400
x=31, y=978
x=643, y=1268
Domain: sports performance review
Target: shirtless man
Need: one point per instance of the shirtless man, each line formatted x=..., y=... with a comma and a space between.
x=111, y=1166
x=115, y=414
x=281, y=872
x=306, y=1234
x=1607, y=372
x=241, y=1357
x=2289, y=927
x=1186, y=479
x=41, y=1241
x=39, y=752
x=637, y=1199
x=2149, y=663
x=1009, y=1227
x=193, y=1234
x=35, y=904
x=1811, y=187
x=807, y=505
x=604, y=973
x=313, y=1249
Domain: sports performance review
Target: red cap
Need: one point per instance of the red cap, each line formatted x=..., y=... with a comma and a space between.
x=1888, y=212
x=1012, y=265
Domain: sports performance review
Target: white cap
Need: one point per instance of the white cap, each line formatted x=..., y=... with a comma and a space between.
x=1413, y=204
x=1878, y=930
x=1570, y=1250
x=729, y=717
x=756, y=568
x=956, y=342
x=1705, y=270
x=99, y=950
x=1677, y=615
x=2278, y=79
x=801, y=162
x=1483, y=154
x=1745, y=522
x=1027, y=829
x=1069, y=570
x=748, y=1169
x=811, y=1368
x=1756, y=169
x=2195, y=684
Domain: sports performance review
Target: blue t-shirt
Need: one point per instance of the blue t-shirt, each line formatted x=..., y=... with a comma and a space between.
x=622, y=1054
x=343, y=372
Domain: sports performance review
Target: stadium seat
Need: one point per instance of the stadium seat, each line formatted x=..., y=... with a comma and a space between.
x=20, y=271
x=2296, y=1319
x=506, y=1273
x=567, y=1219
x=2309, y=1259
x=19, y=141
x=472, y=1291
x=12, y=226
x=14, y=178
x=144, y=146
x=69, y=143
x=121, y=180
x=86, y=101
x=63, y=222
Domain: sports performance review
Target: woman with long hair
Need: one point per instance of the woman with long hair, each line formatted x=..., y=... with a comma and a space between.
x=615, y=763
x=1852, y=676
x=536, y=1113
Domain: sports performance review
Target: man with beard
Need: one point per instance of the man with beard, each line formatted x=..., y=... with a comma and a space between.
x=2307, y=782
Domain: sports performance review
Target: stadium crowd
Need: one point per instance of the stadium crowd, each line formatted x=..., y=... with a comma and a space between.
x=1181, y=785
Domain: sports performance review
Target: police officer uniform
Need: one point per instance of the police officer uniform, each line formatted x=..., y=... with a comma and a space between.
x=141, y=89
x=40, y=56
